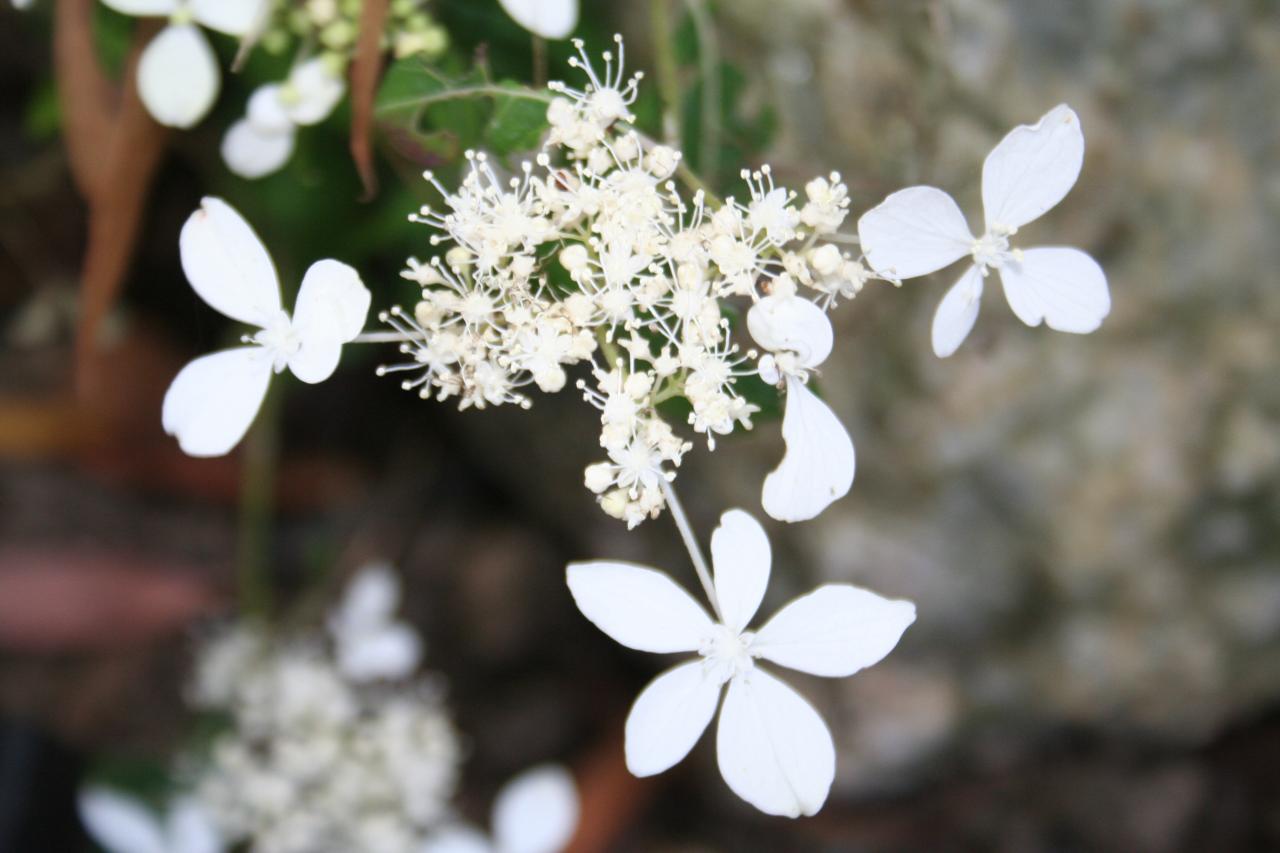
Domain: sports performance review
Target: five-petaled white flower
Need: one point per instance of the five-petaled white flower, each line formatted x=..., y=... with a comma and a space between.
x=212, y=401
x=919, y=230
x=773, y=749
x=370, y=643
x=178, y=77
x=263, y=141
x=536, y=812
x=548, y=19
x=819, y=463
x=121, y=824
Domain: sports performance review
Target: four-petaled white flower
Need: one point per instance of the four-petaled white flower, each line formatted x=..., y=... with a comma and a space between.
x=370, y=643
x=212, y=401
x=536, y=812
x=919, y=230
x=122, y=824
x=773, y=749
x=548, y=19
x=819, y=463
x=263, y=141
x=178, y=77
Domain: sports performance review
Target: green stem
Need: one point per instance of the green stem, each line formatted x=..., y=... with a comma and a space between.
x=709, y=70
x=257, y=506
x=668, y=69
x=539, y=62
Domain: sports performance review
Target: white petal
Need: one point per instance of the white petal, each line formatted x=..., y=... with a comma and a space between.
x=312, y=92
x=233, y=17
x=639, y=607
x=456, y=839
x=331, y=309
x=227, y=264
x=178, y=76
x=669, y=716
x=190, y=828
x=143, y=8
x=333, y=289
x=213, y=400
x=392, y=652
x=550, y=19
x=774, y=750
x=835, y=630
x=1064, y=287
x=120, y=824
x=914, y=232
x=957, y=312
x=818, y=466
x=266, y=110
x=741, y=556
x=1032, y=168
x=371, y=599
x=536, y=812
x=794, y=324
x=251, y=153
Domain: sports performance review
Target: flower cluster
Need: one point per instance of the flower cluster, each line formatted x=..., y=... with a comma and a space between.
x=331, y=747
x=591, y=254
x=263, y=141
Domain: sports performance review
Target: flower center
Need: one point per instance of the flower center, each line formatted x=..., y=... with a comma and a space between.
x=991, y=250
x=280, y=339
x=728, y=653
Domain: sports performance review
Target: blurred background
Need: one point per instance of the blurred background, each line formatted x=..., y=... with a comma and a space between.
x=1087, y=524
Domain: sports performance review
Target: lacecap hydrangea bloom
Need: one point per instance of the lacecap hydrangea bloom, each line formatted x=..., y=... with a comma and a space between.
x=590, y=255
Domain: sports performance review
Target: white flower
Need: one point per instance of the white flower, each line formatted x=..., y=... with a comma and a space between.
x=918, y=230
x=549, y=19
x=773, y=749
x=121, y=824
x=262, y=142
x=819, y=463
x=178, y=75
x=370, y=643
x=536, y=812
x=212, y=401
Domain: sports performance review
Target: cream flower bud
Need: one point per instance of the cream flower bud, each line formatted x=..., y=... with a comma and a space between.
x=574, y=256
x=826, y=259
x=598, y=477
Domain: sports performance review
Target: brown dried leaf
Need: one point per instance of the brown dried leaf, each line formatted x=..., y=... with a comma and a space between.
x=87, y=98
x=134, y=148
x=366, y=68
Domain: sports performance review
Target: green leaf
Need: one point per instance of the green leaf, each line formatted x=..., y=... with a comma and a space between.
x=518, y=121
x=443, y=114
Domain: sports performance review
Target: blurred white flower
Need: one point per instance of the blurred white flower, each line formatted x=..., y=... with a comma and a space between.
x=263, y=141
x=370, y=643
x=178, y=76
x=212, y=401
x=536, y=812
x=919, y=230
x=549, y=19
x=773, y=749
x=819, y=463
x=121, y=824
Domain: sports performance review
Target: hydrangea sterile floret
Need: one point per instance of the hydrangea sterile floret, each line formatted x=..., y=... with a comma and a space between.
x=548, y=19
x=263, y=141
x=370, y=643
x=773, y=748
x=819, y=463
x=178, y=76
x=119, y=823
x=920, y=230
x=213, y=400
x=536, y=812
